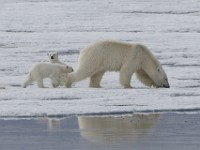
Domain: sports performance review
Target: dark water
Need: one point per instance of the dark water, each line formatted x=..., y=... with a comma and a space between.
x=141, y=132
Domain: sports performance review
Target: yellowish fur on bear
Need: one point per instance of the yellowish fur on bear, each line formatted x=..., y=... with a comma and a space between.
x=123, y=57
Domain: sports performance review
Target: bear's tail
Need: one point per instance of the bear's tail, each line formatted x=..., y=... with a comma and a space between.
x=144, y=78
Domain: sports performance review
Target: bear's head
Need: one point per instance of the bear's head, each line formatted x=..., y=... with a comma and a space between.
x=69, y=69
x=160, y=77
x=53, y=57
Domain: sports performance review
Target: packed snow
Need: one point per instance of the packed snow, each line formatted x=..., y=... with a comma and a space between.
x=29, y=29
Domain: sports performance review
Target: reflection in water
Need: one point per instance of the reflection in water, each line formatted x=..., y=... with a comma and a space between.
x=115, y=128
x=52, y=123
x=109, y=132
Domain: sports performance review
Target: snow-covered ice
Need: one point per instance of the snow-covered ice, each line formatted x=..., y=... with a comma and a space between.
x=29, y=29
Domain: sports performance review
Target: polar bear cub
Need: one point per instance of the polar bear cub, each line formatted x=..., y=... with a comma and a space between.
x=53, y=58
x=47, y=70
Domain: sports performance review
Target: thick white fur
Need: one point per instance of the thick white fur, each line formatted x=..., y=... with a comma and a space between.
x=46, y=70
x=53, y=58
x=126, y=58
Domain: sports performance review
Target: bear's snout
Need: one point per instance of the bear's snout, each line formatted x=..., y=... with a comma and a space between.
x=166, y=86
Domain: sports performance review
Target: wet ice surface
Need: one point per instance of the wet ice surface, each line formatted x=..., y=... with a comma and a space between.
x=152, y=131
x=31, y=29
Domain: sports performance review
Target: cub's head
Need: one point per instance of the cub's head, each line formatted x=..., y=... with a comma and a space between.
x=160, y=77
x=69, y=69
x=53, y=57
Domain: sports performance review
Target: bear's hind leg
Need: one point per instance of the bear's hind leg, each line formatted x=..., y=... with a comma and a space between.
x=96, y=79
x=76, y=76
x=125, y=78
x=27, y=82
x=40, y=83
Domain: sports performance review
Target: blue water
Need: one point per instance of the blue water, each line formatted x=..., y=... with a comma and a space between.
x=152, y=132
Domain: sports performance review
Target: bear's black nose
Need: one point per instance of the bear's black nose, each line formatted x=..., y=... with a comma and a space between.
x=51, y=57
x=166, y=86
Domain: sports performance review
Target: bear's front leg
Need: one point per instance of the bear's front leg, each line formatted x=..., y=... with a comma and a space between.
x=55, y=82
x=68, y=83
x=62, y=79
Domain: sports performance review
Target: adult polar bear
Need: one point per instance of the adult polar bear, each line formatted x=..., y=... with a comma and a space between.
x=126, y=58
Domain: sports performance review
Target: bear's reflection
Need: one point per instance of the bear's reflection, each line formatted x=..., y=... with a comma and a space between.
x=53, y=124
x=115, y=128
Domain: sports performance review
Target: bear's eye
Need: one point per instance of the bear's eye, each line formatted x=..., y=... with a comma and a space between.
x=158, y=70
x=67, y=67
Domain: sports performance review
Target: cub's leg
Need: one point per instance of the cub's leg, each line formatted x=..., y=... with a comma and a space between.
x=62, y=79
x=40, y=83
x=96, y=79
x=55, y=82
